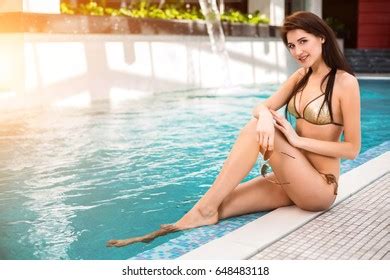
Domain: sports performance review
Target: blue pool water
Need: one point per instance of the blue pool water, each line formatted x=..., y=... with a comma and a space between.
x=73, y=178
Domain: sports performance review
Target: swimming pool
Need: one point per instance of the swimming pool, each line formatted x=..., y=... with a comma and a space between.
x=73, y=178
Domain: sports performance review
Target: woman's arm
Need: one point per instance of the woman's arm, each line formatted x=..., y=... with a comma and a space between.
x=328, y=148
x=265, y=128
x=350, y=108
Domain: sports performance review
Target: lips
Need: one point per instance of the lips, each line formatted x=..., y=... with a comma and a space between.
x=302, y=59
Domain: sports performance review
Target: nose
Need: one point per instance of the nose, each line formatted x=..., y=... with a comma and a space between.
x=297, y=51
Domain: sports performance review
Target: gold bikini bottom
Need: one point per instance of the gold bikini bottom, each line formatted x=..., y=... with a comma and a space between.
x=331, y=179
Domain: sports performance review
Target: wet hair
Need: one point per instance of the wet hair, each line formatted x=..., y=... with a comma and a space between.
x=331, y=53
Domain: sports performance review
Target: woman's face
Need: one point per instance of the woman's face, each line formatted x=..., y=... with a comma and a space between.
x=305, y=47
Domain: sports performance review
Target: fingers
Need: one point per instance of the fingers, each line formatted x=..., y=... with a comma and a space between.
x=261, y=137
x=280, y=120
x=273, y=112
x=264, y=140
x=265, y=135
x=278, y=126
x=277, y=117
x=281, y=128
x=268, y=142
x=271, y=142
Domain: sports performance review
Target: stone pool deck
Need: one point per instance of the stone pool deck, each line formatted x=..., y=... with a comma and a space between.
x=356, y=227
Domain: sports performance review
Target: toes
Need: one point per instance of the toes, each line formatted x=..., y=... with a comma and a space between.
x=111, y=243
x=164, y=229
x=116, y=243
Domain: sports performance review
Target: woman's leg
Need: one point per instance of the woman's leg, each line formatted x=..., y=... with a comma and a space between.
x=255, y=195
x=300, y=181
x=238, y=164
x=301, y=184
x=258, y=194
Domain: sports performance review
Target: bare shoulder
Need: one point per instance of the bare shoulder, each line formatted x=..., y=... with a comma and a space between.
x=295, y=77
x=301, y=72
x=346, y=85
x=298, y=74
x=346, y=80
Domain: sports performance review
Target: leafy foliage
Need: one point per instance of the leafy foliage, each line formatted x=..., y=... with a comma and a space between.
x=143, y=9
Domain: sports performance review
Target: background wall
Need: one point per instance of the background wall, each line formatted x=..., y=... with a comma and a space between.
x=373, y=24
x=41, y=68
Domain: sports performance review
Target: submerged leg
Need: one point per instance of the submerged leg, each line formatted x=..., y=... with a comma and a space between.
x=165, y=229
x=296, y=182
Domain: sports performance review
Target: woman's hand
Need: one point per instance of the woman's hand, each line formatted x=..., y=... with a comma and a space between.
x=285, y=127
x=265, y=132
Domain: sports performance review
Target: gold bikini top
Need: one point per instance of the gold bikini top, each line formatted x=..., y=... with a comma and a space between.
x=313, y=113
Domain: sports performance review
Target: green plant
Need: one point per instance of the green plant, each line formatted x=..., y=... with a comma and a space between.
x=238, y=17
x=66, y=9
x=143, y=9
x=92, y=8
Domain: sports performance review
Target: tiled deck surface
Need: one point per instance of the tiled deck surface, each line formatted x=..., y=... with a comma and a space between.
x=357, y=228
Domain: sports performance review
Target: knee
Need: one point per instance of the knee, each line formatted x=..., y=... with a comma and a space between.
x=250, y=127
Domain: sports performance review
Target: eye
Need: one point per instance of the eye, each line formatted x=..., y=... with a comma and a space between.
x=302, y=42
x=290, y=46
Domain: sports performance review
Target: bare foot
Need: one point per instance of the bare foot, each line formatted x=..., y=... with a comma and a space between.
x=197, y=217
x=165, y=229
x=194, y=218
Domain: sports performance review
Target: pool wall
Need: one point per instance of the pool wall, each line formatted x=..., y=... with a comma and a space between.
x=77, y=69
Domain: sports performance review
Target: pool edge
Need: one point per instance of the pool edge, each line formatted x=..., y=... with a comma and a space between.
x=373, y=76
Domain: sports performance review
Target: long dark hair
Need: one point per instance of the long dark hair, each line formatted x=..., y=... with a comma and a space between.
x=331, y=53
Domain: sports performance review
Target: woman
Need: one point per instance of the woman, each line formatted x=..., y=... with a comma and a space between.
x=323, y=95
